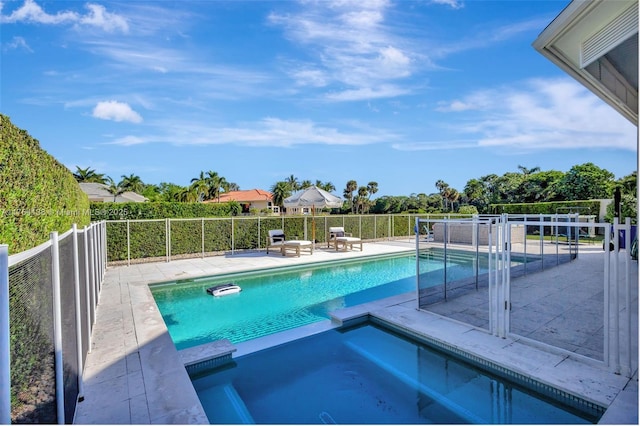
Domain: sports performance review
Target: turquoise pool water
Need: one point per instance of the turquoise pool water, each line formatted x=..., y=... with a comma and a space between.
x=281, y=299
x=368, y=374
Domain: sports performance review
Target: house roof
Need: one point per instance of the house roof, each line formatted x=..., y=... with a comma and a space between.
x=248, y=195
x=101, y=191
x=596, y=42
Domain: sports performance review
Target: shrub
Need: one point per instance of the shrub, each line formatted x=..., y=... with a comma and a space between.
x=38, y=195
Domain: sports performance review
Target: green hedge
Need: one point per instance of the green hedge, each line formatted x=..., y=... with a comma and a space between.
x=148, y=238
x=157, y=210
x=37, y=193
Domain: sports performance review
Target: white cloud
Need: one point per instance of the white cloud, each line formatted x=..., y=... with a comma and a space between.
x=268, y=132
x=116, y=111
x=351, y=47
x=17, y=43
x=542, y=114
x=97, y=16
x=454, y=4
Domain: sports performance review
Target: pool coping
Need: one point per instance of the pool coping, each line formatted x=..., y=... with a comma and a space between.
x=135, y=374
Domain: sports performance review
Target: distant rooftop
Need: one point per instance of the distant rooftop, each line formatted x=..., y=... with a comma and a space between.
x=248, y=195
x=100, y=192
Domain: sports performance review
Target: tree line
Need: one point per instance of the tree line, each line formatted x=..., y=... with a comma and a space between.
x=527, y=185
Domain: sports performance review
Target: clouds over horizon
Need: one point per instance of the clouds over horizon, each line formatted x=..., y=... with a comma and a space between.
x=537, y=114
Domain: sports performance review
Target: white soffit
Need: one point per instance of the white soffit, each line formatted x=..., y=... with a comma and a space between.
x=585, y=31
x=610, y=36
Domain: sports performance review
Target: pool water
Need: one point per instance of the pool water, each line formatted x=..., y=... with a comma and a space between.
x=284, y=298
x=367, y=374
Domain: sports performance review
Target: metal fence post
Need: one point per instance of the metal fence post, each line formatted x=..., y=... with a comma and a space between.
x=57, y=326
x=76, y=280
x=627, y=292
x=616, y=296
x=128, y=244
x=87, y=284
x=92, y=274
x=5, y=347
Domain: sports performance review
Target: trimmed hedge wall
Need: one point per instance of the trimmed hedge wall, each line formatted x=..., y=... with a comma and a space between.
x=37, y=193
x=192, y=237
x=157, y=210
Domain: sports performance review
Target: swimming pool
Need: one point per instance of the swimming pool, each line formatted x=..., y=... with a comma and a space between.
x=369, y=374
x=284, y=298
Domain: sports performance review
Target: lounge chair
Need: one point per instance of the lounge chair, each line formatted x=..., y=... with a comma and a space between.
x=338, y=237
x=276, y=238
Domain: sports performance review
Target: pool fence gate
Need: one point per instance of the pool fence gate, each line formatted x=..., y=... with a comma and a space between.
x=587, y=316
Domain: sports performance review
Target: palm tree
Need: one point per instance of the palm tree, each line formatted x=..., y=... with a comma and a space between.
x=352, y=185
x=88, y=175
x=132, y=183
x=280, y=191
x=363, y=197
x=292, y=181
x=200, y=186
x=305, y=184
x=372, y=187
x=443, y=188
x=186, y=194
x=114, y=189
x=215, y=183
x=528, y=172
x=327, y=186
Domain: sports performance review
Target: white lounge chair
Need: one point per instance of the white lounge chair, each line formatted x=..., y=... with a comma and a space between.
x=338, y=237
x=277, y=238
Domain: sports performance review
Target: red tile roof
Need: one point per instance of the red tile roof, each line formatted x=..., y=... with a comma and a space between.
x=244, y=196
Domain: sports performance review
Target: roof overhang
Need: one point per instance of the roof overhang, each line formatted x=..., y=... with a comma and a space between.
x=596, y=42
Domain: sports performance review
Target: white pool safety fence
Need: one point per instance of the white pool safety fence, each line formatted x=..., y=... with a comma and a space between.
x=499, y=237
x=48, y=297
x=55, y=290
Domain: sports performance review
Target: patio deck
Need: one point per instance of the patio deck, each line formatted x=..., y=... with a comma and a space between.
x=135, y=375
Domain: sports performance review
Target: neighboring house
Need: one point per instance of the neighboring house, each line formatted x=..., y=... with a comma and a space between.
x=249, y=199
x=99, y=192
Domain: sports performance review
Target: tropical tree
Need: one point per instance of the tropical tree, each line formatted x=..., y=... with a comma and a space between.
x=292, y=181
x=132, y=183
x=232, y=186
x=187, y=194
x=305, y=184
x=540, y=187
x=372, y=188
x=200, y=186
x=528, y=172
x=327, y=186
x=362, y=199
x=280, y=191
x=351, y=187
x=114, y=189
x=215, y=184
x=443, y=188
x=88, y=175
x=586, y=182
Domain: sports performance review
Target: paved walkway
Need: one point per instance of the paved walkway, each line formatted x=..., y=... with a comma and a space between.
x=135, y=375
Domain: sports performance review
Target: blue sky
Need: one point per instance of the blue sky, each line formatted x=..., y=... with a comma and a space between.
x=399, y=92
